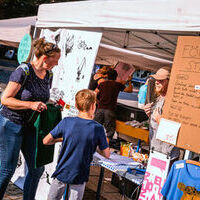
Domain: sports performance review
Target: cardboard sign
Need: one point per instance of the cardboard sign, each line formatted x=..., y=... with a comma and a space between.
x=155, y=177
x=183, y=97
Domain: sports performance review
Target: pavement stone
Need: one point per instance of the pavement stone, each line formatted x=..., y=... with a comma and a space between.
x=108, y=192
x=13, y=192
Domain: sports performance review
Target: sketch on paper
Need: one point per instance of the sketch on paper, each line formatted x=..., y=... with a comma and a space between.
x=82, y=45
x=56, y=94
x=69, y=43
x=57, y=39
x=80, y=69
x=45, y=176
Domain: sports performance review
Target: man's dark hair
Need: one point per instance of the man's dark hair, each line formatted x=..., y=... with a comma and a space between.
x=112, y=74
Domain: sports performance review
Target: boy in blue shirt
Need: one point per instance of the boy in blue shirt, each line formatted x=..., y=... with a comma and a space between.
x=80, y=137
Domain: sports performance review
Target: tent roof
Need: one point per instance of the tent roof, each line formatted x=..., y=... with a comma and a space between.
x=171, y=15
x=148, y=27
x=12, y=30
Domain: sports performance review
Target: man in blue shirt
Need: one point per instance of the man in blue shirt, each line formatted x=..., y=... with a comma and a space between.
x=80, y=138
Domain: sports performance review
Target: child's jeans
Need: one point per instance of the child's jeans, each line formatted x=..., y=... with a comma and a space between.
x=57, y=189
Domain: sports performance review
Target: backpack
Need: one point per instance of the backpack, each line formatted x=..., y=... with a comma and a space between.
x=26, y=66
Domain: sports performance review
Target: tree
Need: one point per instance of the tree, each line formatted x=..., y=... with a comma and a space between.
x=22, y=8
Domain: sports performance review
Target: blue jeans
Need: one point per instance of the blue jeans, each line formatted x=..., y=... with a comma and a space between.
x=10, y=144
x=34, y=174
x=11, y=141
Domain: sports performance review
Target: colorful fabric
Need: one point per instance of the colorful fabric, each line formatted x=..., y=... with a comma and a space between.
x=44, y=123
x=183, y=182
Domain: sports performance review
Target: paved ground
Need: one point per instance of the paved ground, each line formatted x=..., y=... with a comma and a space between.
x=109, y=192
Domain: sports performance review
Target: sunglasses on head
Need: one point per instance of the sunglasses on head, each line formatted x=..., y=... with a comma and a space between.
x=53, y=47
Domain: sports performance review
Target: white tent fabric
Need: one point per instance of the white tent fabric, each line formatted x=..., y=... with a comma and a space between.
x=171, y=15
x=149, y=27
x=12, y=30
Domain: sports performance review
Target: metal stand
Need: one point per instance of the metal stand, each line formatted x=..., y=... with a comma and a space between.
x=100, y=183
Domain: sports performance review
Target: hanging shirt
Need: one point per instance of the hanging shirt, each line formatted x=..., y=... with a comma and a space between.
x=183, y=182
x=80, y=140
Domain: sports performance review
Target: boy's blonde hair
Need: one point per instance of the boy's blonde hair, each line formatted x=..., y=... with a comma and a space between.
x=84, y=99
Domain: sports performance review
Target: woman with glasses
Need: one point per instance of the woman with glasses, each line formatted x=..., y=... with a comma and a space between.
x=26, y=92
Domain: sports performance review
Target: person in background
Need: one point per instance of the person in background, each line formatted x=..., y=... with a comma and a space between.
x=20, y=99
x=98, y=78
x=80, y=138
x=107, y=99
x=154, y=111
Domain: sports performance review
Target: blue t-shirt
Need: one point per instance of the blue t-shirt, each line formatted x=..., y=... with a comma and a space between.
x=80, y=140
x=34, y=89
x=183, y=182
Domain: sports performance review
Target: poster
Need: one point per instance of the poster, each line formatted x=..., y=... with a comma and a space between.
x=182, y=103
x=78, y=54
x=155, y=177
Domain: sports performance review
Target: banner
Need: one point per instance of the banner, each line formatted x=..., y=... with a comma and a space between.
x=155, y=176
x=78, y=54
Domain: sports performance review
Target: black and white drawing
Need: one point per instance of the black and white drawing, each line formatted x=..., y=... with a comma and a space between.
x=46, y=177
x=81, y=70
x=57, y=39
x=56, y=94
x=69, y=43
x=82, y=45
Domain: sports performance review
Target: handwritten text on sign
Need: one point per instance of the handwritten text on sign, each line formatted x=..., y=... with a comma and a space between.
x=182, y=103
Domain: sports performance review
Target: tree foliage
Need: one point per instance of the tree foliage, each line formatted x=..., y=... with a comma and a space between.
x=22, y=8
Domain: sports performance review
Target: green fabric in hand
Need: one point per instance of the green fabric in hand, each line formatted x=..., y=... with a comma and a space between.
x=44, y=123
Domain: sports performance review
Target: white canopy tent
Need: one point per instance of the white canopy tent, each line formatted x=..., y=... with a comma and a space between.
x=12, y=30
x=141, y=32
